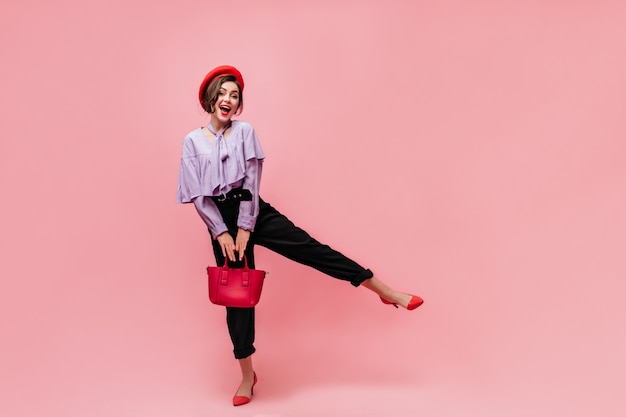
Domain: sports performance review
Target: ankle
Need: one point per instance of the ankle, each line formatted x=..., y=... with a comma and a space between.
x=400, y=298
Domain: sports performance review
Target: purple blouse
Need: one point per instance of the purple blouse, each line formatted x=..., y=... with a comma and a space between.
x=212, y=169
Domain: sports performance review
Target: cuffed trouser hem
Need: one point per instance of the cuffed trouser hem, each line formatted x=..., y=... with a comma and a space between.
x=358, y=280
x=244, y=353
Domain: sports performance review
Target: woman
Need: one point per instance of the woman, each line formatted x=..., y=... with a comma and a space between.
x=220, y=173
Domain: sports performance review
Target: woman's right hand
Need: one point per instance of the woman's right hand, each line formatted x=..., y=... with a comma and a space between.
x=228, y=245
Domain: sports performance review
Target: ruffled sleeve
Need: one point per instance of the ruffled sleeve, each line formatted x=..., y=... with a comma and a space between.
x=251, y=145
x=188, y=174
x=254, y=156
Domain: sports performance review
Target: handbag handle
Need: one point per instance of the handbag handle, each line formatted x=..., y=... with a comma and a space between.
x=245, y=264
x=245, y=277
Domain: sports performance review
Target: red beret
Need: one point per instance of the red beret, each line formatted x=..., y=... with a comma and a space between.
x=216, y=72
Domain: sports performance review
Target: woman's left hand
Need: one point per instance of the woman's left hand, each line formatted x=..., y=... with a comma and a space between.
x=241, y=242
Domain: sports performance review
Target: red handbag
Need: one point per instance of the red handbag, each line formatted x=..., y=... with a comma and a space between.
x=235, y=287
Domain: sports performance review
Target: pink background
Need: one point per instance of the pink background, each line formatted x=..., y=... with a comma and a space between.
x=469, y=152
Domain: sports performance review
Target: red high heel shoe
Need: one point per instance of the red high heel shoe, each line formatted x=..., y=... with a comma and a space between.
x=414, y=302
x=242, y=399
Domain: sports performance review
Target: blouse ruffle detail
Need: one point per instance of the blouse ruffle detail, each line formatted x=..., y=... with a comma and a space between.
x=212, y=169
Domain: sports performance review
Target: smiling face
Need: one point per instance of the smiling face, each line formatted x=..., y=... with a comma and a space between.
x=223, y=98
x=227, y=102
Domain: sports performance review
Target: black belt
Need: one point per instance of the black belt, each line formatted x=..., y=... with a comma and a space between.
x=234, y=195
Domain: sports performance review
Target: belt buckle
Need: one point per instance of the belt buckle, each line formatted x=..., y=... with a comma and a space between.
x=222, y=198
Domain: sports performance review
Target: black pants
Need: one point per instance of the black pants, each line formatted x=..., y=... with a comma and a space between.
x=277, y=233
